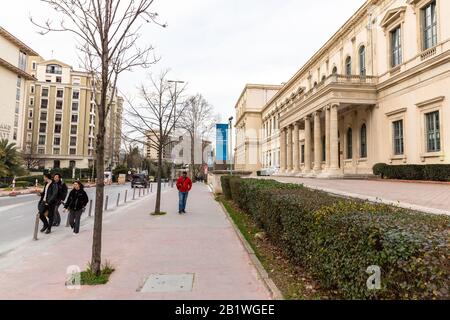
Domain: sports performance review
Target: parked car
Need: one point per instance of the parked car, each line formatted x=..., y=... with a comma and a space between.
x=139, y=181
x=269, y=172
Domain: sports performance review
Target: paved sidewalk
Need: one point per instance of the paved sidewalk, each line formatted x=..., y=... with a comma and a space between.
x=138, y=245
x=431, y=198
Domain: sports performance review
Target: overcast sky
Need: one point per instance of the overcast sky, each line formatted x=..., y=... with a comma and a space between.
x=217, y=46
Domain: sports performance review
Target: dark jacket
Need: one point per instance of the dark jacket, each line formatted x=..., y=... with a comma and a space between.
x=62, y=191
x=52, y=194
x=77, y=200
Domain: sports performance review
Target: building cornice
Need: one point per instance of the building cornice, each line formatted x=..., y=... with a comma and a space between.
x=16, y=70
x=8, y=36
x=360, y=14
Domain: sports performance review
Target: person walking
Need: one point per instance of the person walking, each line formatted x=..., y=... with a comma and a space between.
x=75, y=204
x=184, y=186
x=62, y=195
x=49, y=198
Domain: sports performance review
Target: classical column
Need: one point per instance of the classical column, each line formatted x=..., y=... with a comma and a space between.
x=283, y=150
x=334, y=139
x=296, y=147
x=327, y=137
x=317, y=143
x=308, y=144
x=289, y=149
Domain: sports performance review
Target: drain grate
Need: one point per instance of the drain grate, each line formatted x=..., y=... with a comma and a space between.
x=161, y=283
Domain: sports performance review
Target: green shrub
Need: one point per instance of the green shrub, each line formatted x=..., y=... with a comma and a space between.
x=337, y=239
x=413, y=172
x=31, y=180
x=380, y=169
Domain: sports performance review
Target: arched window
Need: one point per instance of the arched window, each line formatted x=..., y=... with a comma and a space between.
x=324, y=78
x=362, y=61
x=363, y=138
x=349, y=143
x=54, y=69
x=348, y=66
x=334, y=70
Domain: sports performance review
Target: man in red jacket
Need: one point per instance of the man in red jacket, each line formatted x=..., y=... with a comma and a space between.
x=184, y=185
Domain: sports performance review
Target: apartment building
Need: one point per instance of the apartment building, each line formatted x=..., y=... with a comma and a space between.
x=13, y=76
x=377, y=91
x=61, y=118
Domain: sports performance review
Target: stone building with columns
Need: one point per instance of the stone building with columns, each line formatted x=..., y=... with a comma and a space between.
x=377, y=91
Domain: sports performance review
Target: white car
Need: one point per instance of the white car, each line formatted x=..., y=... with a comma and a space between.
x=269, y=172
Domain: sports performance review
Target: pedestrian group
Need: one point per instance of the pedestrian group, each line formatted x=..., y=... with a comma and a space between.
x=54, y=195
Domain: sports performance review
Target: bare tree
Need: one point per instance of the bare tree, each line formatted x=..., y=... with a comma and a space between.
x=30, y=157
x=154, y=118
x=197, y=120
x=108, y=33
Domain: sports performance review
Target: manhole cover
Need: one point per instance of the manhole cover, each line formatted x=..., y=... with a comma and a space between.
x=161, y=283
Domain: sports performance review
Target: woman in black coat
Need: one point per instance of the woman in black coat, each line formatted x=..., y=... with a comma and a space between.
x=75, y=204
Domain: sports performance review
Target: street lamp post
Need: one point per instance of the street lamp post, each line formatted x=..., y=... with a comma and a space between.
x=176, y=82
x=230, y=127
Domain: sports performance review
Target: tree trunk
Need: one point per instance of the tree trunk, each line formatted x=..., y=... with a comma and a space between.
x=192, y=169
x=96, y=260
x=158, y=179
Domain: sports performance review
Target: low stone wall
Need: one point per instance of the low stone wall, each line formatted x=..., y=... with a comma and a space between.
x=215, y=176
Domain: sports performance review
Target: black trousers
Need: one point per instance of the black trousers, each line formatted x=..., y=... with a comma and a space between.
x=74, y=220
x=51, y=216
x=57, y=216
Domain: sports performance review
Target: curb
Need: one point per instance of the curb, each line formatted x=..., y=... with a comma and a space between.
x=268, y=282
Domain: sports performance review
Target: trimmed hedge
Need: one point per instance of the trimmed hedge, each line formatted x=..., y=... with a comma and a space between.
x=338, y=239
x=431, y=172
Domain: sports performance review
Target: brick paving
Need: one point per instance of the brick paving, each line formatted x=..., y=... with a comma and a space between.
x=428, y=197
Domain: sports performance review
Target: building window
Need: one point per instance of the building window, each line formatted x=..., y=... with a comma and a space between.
x=74, y=118
x=41, y=151
x=43, y=128
x=58, y=79
x=429, y=25
x=18, y=94
x=22, y=61
x=57, y=128
x=73, y=141
x=348, y=66
x=363, y=137
x=433, y=132
x=54, y=69
x=73, y=129
x=303, y=154
x=44, y=92
x=60, y=93
x=43, y=115
x=72, y=151
x=396, y=47
x=32, y=101
x=42, y=140
x=349, y=143
x=44, y=103
x=30, y=125
x=59, y=104
x=72, y=164
x=57, y=141
x=33, y=64
x=56, y=163
x=75, y=106
x=58, y=117
x=335, y=71
x=15, y=134
x=324, y=149
x=76, y=95
x=399, y=147
x=362, y=61
x=30, y=113
x=32, y=89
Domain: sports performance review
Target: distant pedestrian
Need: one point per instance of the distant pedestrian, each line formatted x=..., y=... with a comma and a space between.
x=46, y=206
x=184, y=185
x=76, y=204
x=62, y=195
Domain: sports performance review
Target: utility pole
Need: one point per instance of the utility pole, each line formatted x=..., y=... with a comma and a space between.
x=176, y=82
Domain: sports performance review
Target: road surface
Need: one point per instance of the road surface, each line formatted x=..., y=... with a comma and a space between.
x=18, y=215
